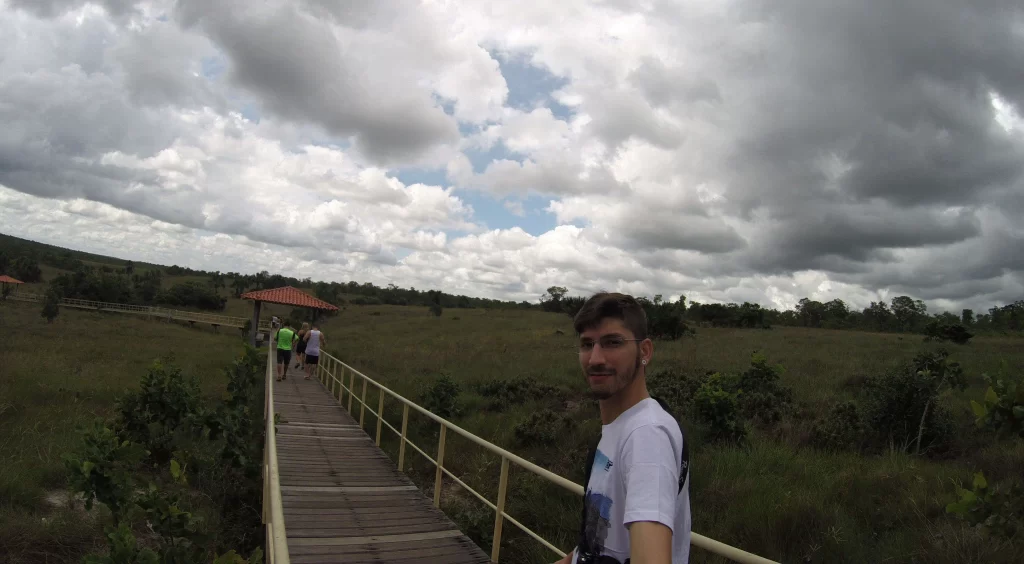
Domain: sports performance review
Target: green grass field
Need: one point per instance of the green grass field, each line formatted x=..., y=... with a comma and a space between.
x=775, y=497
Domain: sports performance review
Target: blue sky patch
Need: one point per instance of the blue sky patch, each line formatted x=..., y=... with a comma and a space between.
x=529, y=86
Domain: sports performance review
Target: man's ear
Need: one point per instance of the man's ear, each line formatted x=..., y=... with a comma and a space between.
x=647, y=350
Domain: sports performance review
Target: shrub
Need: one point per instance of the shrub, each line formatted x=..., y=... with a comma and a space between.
x=51, y=306
x=103, y=468
x=941, y=332
x=1003, y=408
x=442, y=398
x=763, y=398
x=998, y=511
x=165, y=407
x=901, y=407
x=123, y=549
x=842, y=428
x=192, y=294
x=504, y=394
x=543, y=427
x=719, y=409
x=677, y=388
x=436, y=310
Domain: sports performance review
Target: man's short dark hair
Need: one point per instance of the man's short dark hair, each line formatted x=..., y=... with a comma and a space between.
x=613, y=305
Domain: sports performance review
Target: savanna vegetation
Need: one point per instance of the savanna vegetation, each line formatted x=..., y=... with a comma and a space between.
x=816, y=442
x=123, y=440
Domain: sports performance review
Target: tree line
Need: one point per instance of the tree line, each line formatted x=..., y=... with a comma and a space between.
x=902, y=314
x=107, y=282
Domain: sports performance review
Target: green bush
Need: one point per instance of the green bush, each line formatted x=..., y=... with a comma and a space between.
x=51, y=305
x=1003, y=407
x=763, y=398
x=103, y=469
x=676, y=388
x=166, y=414
x=165, y=409
x=953, y=332
x=123, y=549
x=902, y=407
x=192, y=294
x=719, y=409
x=841, y=429
x=442, y=398
x=998, y=511
x=543, y=427
x=503, y=394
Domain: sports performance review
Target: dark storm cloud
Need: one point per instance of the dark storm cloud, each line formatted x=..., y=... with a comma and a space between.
x=666, y=230
x=846, y=130
x=301, y=71
x=51, y=8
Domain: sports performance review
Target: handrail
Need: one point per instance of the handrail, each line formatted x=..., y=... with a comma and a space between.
x=325, y=371
x=176, y=314
x=273, y=507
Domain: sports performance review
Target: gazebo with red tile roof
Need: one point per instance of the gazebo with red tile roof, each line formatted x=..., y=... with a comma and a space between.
x=4, y=281
x=284, y=296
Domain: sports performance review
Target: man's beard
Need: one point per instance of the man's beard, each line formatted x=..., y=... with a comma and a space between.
x=619, y=381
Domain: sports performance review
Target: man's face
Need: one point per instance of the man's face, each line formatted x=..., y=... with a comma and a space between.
x=609, y=356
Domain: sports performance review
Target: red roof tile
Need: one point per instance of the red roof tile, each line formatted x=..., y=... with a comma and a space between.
x=288, y=296
x=8, y=280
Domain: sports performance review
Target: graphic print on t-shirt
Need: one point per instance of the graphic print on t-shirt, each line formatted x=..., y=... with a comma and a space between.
x=599, y=509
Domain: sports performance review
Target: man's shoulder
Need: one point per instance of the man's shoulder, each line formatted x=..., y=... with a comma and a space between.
x=652, y=420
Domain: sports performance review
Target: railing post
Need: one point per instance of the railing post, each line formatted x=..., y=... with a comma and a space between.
x=380, y=412
x=498, y=517
x=340, y=376
x=440, y=465
x=401, y=447
x=362, y=405
x=351, y=390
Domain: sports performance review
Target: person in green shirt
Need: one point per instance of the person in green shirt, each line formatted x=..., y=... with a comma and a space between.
x=285, y=338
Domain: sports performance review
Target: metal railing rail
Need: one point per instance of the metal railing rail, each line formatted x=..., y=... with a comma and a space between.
x=327, y=373
x=273, y=507
x=159, y=312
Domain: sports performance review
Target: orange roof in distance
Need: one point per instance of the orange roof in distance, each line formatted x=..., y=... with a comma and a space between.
x=5, y=279
x=288, y=296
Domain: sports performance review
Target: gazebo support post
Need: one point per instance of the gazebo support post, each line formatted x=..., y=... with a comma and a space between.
x=255, y=322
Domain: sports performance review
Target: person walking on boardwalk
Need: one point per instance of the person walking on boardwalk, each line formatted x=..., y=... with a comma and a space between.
x=285, y=338
x=637, y=502
x=300, y=346
x=314, y=342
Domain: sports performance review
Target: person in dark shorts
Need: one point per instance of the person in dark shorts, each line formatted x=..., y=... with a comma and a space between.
x=314, y=342
x=300, y=347
x=285, y=339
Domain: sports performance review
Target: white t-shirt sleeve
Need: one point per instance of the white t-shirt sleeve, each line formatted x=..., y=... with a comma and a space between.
x=650, y=472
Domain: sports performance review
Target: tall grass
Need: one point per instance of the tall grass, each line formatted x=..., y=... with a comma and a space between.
x=56, y=376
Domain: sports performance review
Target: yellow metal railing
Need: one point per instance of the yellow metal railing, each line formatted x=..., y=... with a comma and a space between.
x=158, y=312
x=273, y=507
x=328, y=372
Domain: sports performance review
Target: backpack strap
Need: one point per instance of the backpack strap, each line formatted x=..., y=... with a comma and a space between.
x=684, y=462
x=581, y=539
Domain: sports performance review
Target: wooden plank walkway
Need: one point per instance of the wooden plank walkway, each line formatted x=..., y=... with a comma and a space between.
x=344, y=499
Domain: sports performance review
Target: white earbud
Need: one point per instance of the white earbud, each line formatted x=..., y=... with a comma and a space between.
x=644, y=361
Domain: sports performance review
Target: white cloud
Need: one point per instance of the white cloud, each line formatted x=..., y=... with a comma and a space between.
x=711, y=149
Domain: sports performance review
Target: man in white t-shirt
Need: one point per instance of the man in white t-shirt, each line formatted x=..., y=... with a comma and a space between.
x=637, y=501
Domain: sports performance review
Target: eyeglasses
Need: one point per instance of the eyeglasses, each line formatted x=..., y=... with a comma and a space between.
x=608, y=343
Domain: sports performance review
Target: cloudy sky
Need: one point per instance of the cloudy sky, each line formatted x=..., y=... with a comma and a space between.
x=760, y=150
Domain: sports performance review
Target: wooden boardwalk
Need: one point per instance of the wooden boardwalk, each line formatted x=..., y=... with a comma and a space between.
x=344, y=499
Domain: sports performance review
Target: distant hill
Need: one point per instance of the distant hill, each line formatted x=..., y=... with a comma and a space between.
x=59, y=257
